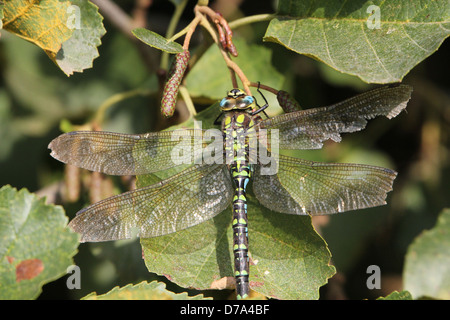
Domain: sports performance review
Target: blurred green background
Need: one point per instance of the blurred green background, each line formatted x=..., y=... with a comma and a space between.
x=35, y=96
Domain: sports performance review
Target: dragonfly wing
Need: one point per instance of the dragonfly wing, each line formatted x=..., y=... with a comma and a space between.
x=181, y=201
x=307, y=129
x=126, y=154
x=315, y=188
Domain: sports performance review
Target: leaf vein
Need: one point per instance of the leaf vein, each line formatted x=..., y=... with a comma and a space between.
x=413, y=41
x=375, y=52
x=326, y=45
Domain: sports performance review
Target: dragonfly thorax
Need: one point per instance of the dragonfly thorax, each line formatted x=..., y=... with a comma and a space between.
x=237, y=99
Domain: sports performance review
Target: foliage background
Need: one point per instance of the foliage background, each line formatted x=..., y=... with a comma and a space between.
x=35, y=96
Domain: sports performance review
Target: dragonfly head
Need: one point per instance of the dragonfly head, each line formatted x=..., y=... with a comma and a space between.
x=237, y=99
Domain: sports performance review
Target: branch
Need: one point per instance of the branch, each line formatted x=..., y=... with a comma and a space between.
x=125, y=24
x=139, y=13
x=116, y=15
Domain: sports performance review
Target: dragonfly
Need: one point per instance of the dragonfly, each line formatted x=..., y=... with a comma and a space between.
x=206, y=188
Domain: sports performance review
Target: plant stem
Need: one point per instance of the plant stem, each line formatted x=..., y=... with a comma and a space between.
x=116, y=15
x=100, y=114
x=190, y=31
x=188, y=101
x=175, y=18
x=251, y=19
x=170, y=31
x=232, y=66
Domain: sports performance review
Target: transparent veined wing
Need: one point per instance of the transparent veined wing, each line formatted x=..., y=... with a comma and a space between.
x=315, y=188
x=127, y=154
x=307, y=129
x=179, y=202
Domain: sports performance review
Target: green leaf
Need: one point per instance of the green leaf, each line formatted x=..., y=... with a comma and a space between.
x=403, y=295
x=346, y=36
x=78, y=52
x=210, y=76
x=40, y=22
x=427, y=264
x=156, y=41
x=289, y=260
x=143, y=291
x=35, y=248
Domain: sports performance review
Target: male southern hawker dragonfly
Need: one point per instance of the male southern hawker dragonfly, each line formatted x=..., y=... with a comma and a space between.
x=207, y=188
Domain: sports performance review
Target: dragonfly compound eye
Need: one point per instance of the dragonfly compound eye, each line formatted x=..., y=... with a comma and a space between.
x=248, y=100
x=225, y=103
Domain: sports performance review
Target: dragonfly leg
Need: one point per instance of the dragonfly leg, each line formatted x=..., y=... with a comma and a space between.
x=261, y=109
x=216, y=122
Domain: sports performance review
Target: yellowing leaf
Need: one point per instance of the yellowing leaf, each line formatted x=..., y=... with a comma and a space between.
x=42, y=22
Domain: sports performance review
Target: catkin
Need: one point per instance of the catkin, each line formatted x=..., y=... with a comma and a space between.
x=287, y=103
x=173, y=81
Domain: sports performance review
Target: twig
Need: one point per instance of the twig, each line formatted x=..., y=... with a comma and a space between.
x=171, y=30
x=100, y=114
x=232, y=66
x=251, y=19
x=264, y=87
x=190, y=31
x=224, y=38
x=125, y=24
x=139, y=13
x=175, y=18
x=200, y=13
x=116, y=15
x=188, y=101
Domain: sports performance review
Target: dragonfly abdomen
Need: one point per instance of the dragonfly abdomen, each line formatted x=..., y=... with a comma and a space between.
x=241, y=175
